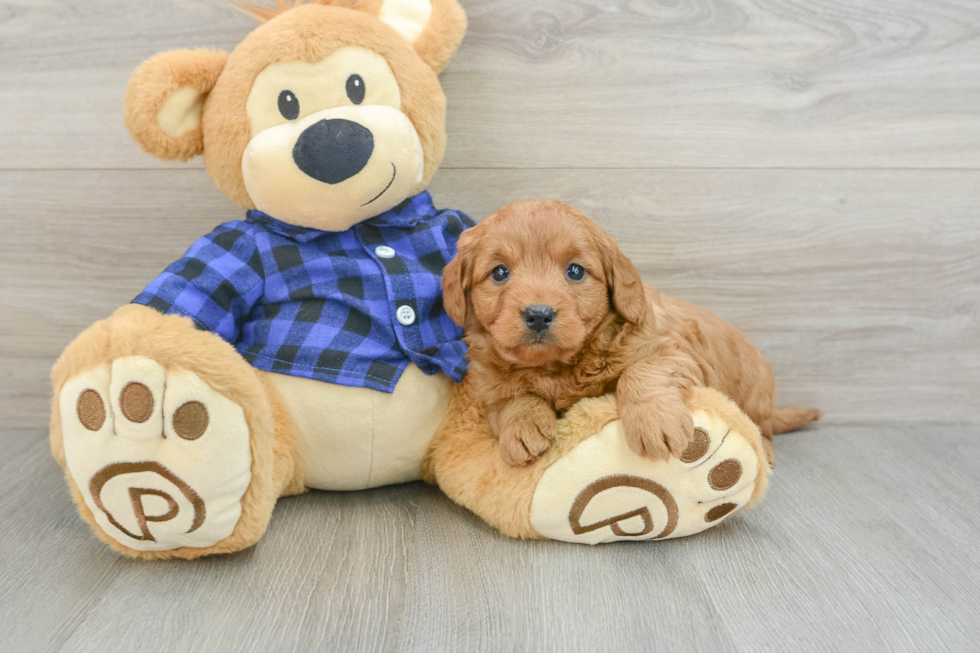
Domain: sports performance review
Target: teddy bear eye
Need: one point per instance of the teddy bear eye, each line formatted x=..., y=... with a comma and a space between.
x=575, y=272
x=355, y=89
x=288, y=105
x=500, y=273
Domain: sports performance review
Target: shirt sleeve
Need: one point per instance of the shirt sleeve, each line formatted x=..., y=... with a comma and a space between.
x=456, y=223
x=216, y=283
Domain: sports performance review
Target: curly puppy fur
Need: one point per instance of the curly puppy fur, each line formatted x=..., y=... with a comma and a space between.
x=609, y=333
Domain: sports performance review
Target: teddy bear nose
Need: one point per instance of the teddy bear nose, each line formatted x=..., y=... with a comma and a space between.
x=333, y=150
x=539, y=317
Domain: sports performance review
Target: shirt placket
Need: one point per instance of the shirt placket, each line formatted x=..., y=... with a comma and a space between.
x=402, y=304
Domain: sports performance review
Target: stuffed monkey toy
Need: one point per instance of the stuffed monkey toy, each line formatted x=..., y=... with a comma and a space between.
x=306, y=345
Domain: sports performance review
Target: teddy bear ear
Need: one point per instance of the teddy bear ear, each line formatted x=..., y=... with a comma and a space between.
x=435, y=28
x=165, y=101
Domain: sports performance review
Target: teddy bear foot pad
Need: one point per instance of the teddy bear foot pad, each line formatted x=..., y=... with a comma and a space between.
x=603, y=492
x=161, y=459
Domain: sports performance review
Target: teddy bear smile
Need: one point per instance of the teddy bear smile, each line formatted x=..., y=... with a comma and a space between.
x=394, y=172
x=357, y=160
x=332, y=151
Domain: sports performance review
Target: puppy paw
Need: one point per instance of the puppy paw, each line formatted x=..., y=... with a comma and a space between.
x=525, y=438
x=657, y=430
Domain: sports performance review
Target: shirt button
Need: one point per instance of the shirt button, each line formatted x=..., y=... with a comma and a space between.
x=405, y=315
x=383, y=251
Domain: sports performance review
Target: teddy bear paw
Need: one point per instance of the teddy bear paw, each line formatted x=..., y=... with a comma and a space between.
x=160, y=458
x=601, y=491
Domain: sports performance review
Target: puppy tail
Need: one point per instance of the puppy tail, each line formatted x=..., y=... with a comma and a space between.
x=790, y=419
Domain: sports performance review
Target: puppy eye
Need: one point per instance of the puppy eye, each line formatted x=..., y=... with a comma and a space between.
x=500, y=274
x=575, y=272
x=288, y=105
x=355, y=89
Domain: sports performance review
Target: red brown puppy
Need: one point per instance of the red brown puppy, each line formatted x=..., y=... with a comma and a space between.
x=554, y=312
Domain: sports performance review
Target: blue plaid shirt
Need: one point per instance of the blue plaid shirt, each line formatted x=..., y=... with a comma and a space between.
x=350, y=307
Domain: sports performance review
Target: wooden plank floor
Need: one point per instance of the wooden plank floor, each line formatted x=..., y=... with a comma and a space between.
x=866, y=542
x=810, y=171
x=860, y=289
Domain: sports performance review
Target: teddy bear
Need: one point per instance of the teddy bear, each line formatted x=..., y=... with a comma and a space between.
x=306, y=346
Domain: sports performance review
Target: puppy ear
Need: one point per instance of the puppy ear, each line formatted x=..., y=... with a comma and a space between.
x=457, y=277
x=435, y=28
x=625, y=285
x=165, y=101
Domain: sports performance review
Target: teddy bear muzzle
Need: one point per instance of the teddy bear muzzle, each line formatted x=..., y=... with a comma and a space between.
x=335, y=168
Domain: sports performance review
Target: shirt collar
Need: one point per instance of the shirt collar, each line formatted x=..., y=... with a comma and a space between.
x=406, y=214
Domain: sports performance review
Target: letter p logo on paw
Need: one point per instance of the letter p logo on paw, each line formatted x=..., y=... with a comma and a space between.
x=620, y=523
x=126, y=481
x=161, y=459
x=601, y=491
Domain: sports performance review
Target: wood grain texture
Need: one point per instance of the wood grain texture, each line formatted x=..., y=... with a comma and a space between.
x=861, y=290
x=810, y=171
x=638, y=83
x=866, y=542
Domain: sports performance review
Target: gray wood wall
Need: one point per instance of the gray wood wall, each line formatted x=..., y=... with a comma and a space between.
x=808, y=171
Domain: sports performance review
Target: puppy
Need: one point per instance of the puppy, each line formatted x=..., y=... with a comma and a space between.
x=554, y=312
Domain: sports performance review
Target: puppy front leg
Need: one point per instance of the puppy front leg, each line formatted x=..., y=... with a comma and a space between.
x=524, y=425
x=651, y=396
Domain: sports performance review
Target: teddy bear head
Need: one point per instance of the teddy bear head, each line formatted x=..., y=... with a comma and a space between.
x=327, y=114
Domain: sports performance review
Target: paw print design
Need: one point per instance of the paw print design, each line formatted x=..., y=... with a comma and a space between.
x=603, y=492
x=161, y=459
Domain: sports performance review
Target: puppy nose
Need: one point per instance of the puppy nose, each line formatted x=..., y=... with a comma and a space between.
x=539, y=317
x=333, y=150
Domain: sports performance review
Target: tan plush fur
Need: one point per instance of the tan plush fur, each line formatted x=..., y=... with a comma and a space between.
x=174, y=343
x=465, y=462
x=436, y=44
x=153, y=83
x=306, y=32
x=738, y=421
x=610, y=333
x=287, y=469
x=292, y=31
x=440, y=39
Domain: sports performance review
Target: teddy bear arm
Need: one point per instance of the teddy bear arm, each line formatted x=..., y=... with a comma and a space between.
x=216, y=283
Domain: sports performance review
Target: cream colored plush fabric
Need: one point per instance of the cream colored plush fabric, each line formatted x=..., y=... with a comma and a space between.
x=182, y=112
x=407, y=17
x=320, y=86
x=149, y=488
x=281, y=189
x=355, y=438
x=601, y=491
